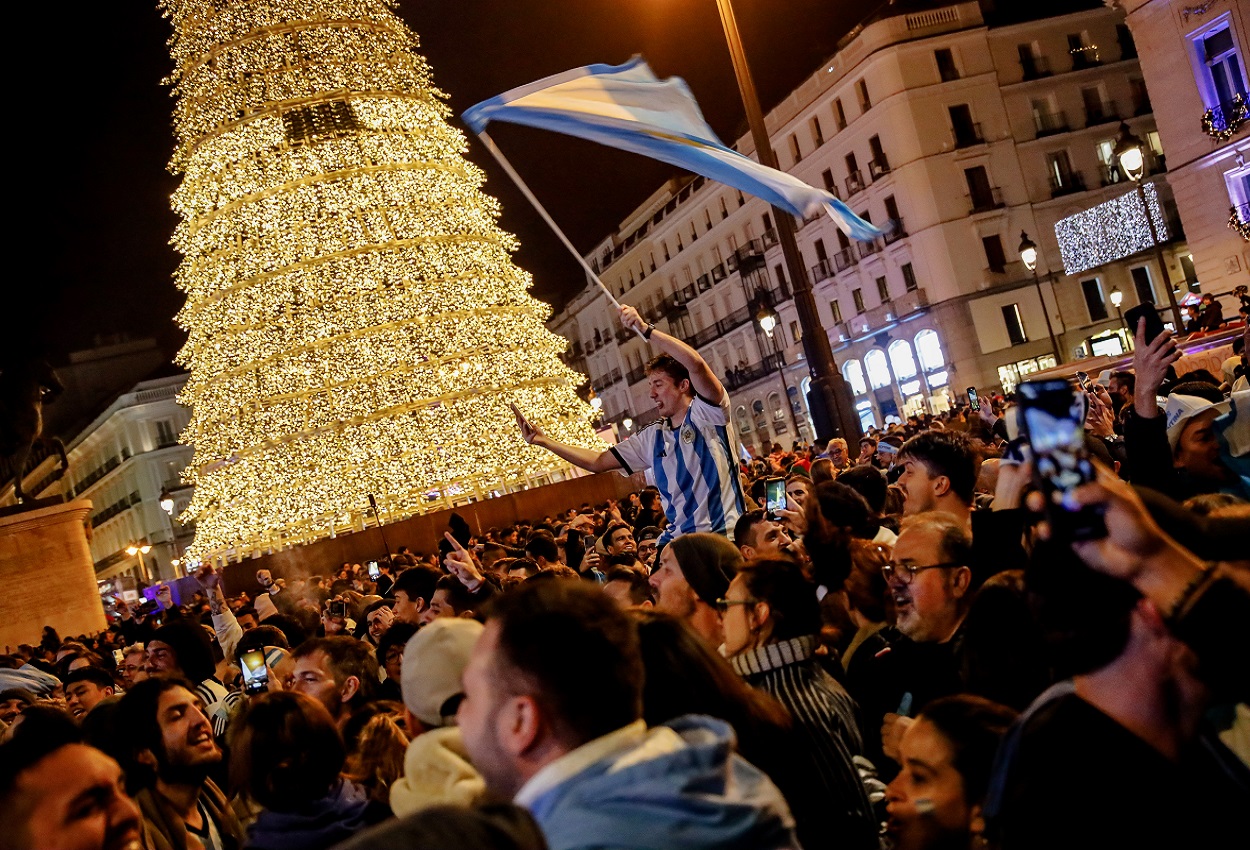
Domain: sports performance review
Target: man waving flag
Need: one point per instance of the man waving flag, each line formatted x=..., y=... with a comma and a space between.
x=628, y=107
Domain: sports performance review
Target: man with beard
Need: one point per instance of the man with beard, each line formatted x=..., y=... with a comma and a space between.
x=170, y=754
x=57, y=793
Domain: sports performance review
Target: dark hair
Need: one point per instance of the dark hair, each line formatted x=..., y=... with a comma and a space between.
x=1127, y=378
x=947, y=453
x=417, y=582
x=556, y=572
x=397, y=635
x=974, y=727
x=285, y=751
x=139, y=728
x=868, y=482
x=346, y=657
x=458, y=596
x=193, y=652
x=670, y=366
x=292, y=629
x=822, y=470
x=639, y=587
x=793, y=608
x=686, y=676
x=568, y=645
x=612, y=528
x=44, y=730
x=745, y=526
x=245, y=610
x=95, y=675
x=527, y=564
x=1205, y=390
x=843, y=507
x=542, y=546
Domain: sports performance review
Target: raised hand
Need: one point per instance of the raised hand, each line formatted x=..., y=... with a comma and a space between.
x=630, y=319
x=530, y=433
x=1151, y=359
x=461, y=563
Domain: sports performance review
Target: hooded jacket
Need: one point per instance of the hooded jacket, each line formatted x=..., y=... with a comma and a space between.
x=318, y=826
x=681, y=787
x=437, y=771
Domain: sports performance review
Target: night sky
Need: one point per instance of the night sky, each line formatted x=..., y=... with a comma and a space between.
x=89, y=214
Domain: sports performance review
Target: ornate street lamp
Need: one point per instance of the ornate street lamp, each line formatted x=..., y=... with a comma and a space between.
x=1028, y=254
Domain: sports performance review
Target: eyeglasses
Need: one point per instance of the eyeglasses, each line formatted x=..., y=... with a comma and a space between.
x=724, y=605
x=906, y=573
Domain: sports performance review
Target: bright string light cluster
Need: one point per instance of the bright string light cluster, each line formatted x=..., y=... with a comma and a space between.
x=355, y=322
x=1110, y=231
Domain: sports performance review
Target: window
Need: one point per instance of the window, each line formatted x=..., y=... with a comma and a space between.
x=1015, y=324
x=165, y=433
x=1128, y=48
x=857, y=295
x=1143, y=284
x=878, y=155
x=780, y=271
x=1092, y=290
x=929, y=349
x=1083, y=51
x=946, y=64
x=1031, y=60
x=839, y=113
x=796, y=332
x=724, y=211
x=909, y=277
x=891, y=208
x=768, y=222
x=1059, y=169
x=865, y=102
x=1217, y=50
x=994, y=253
x=901, y=359
x=707, y=219
x=854, y=375
x=852, y=164
x=965, y=130
x=818, y=135
x=664, y=245
x=836, y=309
x=982, y=194
x=795, y=150
x=827, y=176
x=821, y=253
x=883, y=289
x=878, y=369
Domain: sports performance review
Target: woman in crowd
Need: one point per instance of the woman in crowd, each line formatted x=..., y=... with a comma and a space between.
x=287, y=757
x=946, y=757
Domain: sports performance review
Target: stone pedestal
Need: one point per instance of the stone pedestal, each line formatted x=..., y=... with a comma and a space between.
x=47, y=576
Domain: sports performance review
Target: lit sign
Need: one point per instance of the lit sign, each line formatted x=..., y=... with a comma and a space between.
x=1110, y=231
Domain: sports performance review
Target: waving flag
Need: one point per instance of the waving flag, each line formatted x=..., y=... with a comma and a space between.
x=628, y=107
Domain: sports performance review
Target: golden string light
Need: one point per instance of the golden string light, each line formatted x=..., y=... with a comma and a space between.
x=355, y=322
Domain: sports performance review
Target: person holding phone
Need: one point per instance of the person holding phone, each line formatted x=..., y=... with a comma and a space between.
x=691, y=450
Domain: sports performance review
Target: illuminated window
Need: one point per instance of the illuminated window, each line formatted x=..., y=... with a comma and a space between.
x=929, y=350
x=878, y=369
x=854, y=374
x=901, y=359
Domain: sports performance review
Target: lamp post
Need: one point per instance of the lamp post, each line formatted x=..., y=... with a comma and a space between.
x=141, y=549
x=767, y=317
x=1028, y=253
x=831, y=389
x=1117, y=298
x=167, y=505
x=1131, y=155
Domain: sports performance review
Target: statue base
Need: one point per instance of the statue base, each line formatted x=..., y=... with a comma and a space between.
x=47, y=573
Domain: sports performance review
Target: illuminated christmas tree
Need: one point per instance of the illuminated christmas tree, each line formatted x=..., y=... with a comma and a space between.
x=356, y=323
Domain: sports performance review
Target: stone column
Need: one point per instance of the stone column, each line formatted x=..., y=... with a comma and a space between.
x=47, y=576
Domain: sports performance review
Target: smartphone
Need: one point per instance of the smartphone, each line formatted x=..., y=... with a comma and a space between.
x=118, y=657
x=338, y=608
x=1082, y=378
x=774, y=496
x=1053, y=421
x=255, y=673
x=973, y=401
x=374, y=572
x=1154, y=325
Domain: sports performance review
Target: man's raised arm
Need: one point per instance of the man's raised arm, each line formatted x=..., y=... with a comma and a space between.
x=702, y=379
x=587, y=459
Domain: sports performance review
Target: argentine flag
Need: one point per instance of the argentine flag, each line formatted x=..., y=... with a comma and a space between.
x=628, y=107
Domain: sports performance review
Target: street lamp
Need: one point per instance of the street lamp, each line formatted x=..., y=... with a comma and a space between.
x=831, y=389
x=1117, y=298
x=767, y=317
x=628, y=423
x=1131, y=154
x=1028, y=253
x=167, y=505
x=167, y=501
x=141, y=549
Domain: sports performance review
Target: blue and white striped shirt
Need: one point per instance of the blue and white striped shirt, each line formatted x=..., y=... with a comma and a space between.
x=694, y=466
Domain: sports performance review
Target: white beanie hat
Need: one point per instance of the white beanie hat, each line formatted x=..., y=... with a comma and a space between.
x=434, y=661
x=1181, y=408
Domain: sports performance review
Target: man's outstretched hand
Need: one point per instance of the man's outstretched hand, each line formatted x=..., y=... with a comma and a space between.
x=530, y=432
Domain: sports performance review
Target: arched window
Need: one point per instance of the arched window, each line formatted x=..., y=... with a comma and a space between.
x=901, y=359
x=929, y=350
x=776, y=406
x=743, y=418
x=878, y=370
x=853, y=372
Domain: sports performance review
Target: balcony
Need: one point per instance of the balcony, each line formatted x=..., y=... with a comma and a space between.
x=878, y=168
x=636, y=374
x=1225, y=120
x=716, y=330
x=894, y=230
x=1035, y=67
x=1085, y=57
x=882, y=315
x=844, y=259
x=738, y=378
x=1142, y=105
x=985, y=200
x=867, y=249
x=703, y=282
x=1101, y=113
x=749, y=258
x=967, y=135
x=609, y=379
x=854, y=184
x=624, y=335
x=823, y=270
x=1068, y=184
x=679, y=300
x=719, y=273
x=1050, y=123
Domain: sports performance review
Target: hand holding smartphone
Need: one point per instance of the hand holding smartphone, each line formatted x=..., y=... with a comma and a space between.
x=255, y=673
x=774, y=496
x=1053, y=421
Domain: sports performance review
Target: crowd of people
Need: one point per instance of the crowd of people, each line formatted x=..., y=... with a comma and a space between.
x=909, y=649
